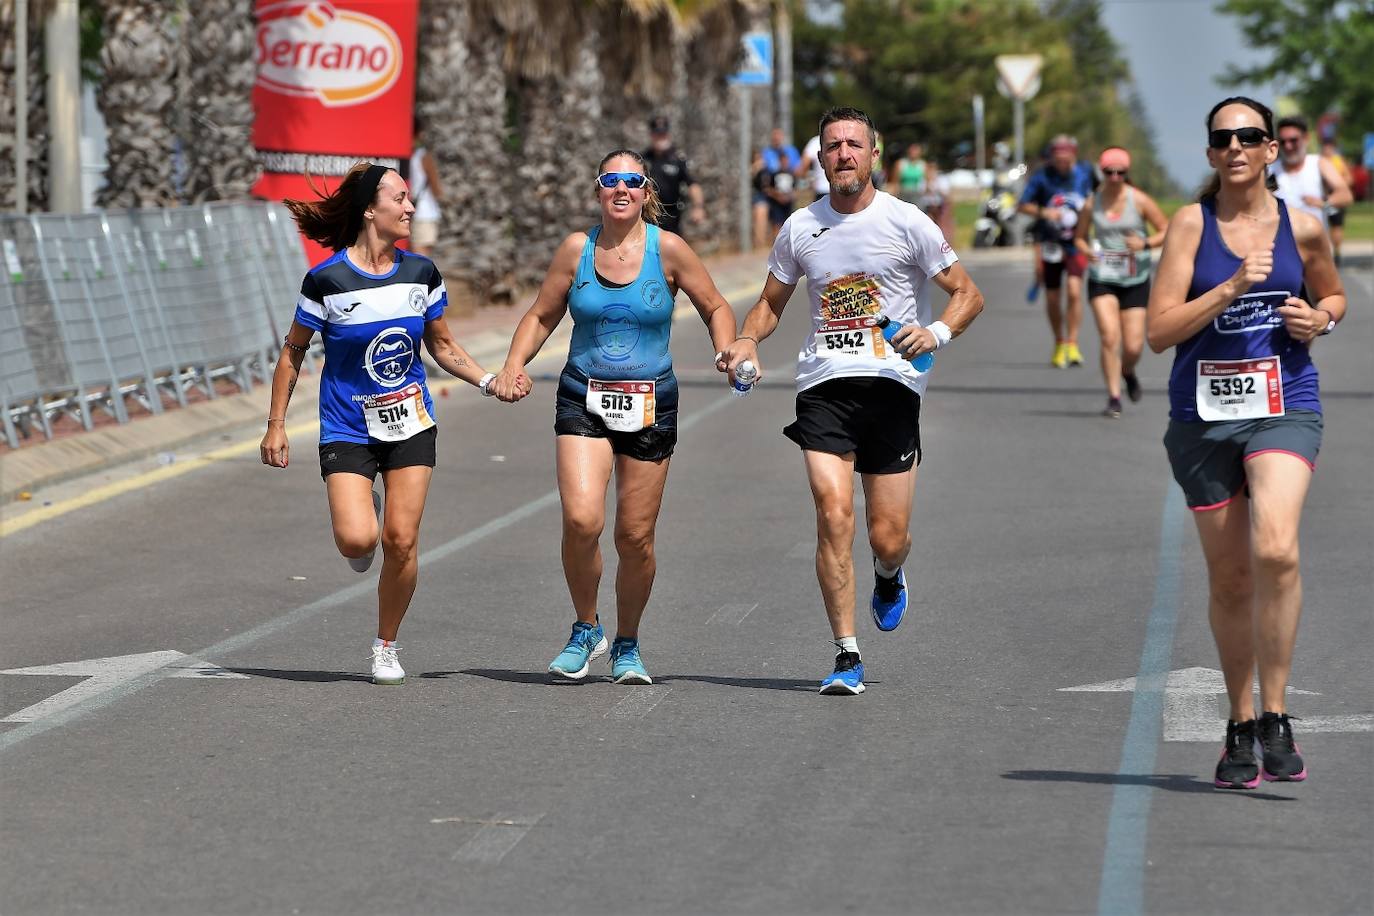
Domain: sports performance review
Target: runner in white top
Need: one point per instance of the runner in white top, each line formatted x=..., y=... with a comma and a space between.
x=810, y=167
x=866, y=255
x=1306, y=180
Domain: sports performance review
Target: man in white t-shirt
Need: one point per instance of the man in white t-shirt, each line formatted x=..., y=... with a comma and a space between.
x=865, y=255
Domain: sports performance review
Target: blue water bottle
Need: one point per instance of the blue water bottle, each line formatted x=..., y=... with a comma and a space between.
x=921, y=363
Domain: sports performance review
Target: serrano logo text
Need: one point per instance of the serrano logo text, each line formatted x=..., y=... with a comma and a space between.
x=340, y=57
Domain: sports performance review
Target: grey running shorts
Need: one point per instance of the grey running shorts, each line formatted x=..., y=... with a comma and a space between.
x=1208, y=459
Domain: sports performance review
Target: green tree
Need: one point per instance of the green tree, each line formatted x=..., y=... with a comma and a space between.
x=1320, y=51
x=915, y=66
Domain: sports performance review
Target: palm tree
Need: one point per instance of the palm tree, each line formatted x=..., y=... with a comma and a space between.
x=137, y=98
x=461, y=97
x=37, y=159
x=711, y=122
x=217, y=103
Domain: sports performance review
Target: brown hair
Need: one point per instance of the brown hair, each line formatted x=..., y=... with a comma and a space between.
x=653, y=207
x=1213, y=183
x=334, y=220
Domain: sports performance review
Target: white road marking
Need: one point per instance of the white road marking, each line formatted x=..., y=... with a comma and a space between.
x=638, y=704
x=103, y=674
x=1191, y=712
x=731, y=613
x=498, y=836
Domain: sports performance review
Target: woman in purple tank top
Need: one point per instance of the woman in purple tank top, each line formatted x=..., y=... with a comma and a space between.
x=1243, y=288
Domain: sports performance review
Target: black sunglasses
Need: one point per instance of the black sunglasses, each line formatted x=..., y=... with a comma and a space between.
x=1248, y=137
x=1110, y=172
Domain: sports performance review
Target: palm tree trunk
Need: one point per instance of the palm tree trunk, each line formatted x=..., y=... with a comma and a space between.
x=137, y=98
x=37, y=158
x=221, y=161
x=461, y=97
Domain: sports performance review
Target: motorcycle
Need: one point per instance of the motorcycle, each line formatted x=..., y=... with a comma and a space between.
x=993, y=226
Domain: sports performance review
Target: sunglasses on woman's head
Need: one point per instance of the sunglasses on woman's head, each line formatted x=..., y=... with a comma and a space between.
x=632, y=180
x=1248, y=137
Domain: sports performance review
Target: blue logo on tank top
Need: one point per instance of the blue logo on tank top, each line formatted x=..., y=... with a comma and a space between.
x=617, y=332
x=1252, y=312
x=389, y=356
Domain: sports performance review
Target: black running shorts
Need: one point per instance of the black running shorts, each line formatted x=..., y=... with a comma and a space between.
x=367, y=460
x=878, y=419
x=1208, y=459
x=1135, y=296
x=652, y=443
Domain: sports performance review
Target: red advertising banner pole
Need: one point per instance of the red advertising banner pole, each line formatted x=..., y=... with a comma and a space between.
x=336, y=84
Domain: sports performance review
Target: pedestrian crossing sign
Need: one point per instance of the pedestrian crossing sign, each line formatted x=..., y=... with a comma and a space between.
x=756, y=65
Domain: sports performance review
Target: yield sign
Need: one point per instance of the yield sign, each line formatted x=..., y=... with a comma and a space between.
x=102, y=674
x=1190, y=706
x=1019, y=72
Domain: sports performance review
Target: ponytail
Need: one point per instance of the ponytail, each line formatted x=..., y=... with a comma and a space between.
x=335, y=220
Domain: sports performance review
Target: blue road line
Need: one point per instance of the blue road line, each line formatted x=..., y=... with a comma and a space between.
x=1122, y=892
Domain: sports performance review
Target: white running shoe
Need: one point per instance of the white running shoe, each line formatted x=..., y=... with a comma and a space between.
x=386, y=668
x=364, y=563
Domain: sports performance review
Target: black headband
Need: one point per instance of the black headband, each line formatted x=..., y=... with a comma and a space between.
x=366, y=188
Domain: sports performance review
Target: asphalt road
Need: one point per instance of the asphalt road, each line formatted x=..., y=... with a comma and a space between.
x=1049, y=553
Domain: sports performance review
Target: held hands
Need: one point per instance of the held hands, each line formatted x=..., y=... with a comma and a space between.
x=737, y=352
x=1254, y=269
x=510, y=385
x=1303, y=322
x=274, y=451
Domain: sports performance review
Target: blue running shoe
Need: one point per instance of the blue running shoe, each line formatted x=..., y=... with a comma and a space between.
x=889, y=600
x=848, y=677
x=588, y=641
x=626, y=665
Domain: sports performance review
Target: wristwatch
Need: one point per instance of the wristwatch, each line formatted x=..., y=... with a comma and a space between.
x=1330, y=324
x=484, y=384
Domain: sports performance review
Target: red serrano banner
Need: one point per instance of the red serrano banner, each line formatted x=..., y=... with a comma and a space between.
x=336, y=83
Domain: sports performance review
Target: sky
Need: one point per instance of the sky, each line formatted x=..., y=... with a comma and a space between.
x=1177, y=49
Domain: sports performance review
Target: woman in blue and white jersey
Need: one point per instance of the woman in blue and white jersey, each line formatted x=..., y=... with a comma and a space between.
x=1244, y=286
x=617, y=397
x=373, y=304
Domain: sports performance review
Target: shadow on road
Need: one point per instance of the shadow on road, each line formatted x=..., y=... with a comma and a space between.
x=754, y=683
x=316, y=677
x=1172, y=782
x=541, y=678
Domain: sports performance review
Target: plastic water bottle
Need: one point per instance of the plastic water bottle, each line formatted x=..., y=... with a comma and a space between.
x=923, y=362
x=745, y=374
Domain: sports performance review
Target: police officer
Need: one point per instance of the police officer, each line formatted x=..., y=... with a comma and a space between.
x=668, y=169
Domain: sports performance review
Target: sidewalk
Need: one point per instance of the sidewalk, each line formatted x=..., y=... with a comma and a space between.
x=485, y=334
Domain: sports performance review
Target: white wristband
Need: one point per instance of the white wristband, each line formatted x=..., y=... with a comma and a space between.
x=484, y=382
x=943, y=334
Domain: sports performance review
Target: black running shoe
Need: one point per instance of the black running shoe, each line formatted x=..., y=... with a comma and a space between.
x=1237, y=768
x=1113, y=409
x=1132, y=387
x=1282, y=756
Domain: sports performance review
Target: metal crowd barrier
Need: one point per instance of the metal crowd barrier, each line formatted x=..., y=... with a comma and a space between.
x=104, y=310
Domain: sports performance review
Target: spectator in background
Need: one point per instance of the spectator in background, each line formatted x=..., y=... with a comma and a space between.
x=1335, y=216
x=780, y=162
x=909, y=174
x=935, y=200
x=426, y=193
x=669, y=172
x=759, y=179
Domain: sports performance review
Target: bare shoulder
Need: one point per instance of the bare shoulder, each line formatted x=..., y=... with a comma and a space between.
x=1306, y=227
x=1187, y=219
x=674, y=248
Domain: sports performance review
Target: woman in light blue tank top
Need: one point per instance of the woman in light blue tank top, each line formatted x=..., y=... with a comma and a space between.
x=1243, y=289
x=1119, y=270
x=617, y=398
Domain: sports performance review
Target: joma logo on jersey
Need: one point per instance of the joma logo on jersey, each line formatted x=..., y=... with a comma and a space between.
x=340, y=57
x=389, y=357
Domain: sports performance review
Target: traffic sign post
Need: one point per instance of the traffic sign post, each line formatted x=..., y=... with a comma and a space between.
x=1018, y=78
x=756, y=69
